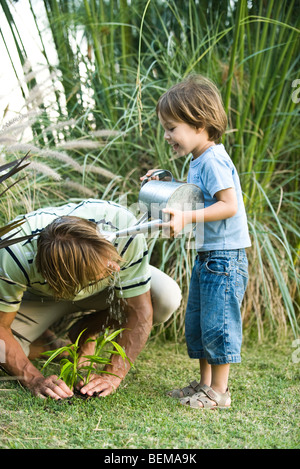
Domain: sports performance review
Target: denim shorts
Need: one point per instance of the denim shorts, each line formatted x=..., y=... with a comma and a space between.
x=213, y=323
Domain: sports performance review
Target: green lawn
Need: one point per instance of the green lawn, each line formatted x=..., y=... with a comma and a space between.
x=264, y=412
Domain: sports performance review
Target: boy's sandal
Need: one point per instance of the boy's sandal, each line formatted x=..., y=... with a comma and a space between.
x=207, y=396
x=189, y=390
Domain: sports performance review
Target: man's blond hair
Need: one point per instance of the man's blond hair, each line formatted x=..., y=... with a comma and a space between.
x=72, y=255
x=197, y=102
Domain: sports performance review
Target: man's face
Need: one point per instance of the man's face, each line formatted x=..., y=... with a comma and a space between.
x=112, y=266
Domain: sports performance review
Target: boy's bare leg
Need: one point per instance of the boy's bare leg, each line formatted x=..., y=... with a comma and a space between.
x=220, y=374
x=205, y=372
x=215, y=376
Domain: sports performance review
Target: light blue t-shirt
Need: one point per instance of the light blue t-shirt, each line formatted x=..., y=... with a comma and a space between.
x=214, y=171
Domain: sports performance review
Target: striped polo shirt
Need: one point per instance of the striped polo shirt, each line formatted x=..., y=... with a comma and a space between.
x=18, y=272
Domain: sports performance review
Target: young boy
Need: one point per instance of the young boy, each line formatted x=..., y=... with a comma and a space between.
x=194, y=119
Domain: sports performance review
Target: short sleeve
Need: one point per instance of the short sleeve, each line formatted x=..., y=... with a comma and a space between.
x=12, y=285
x=134, y=276
x=217, y=175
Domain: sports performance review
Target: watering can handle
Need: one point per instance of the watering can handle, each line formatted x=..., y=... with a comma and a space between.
x=161, y=173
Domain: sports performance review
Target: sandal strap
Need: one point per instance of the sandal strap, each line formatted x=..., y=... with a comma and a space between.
x=218, y=397
x=206, y=396
x=195, y=385
x=189, y=390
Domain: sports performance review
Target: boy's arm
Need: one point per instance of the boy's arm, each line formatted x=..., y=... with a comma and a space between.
x=15, y=362
x=225, y=207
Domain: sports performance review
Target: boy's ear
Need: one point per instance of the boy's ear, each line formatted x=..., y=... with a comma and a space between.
x=199, y=129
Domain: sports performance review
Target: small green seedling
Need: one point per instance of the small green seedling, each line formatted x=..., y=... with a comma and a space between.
x=72, y=368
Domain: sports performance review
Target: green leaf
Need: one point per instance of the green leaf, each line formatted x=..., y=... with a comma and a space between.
x=69, y=377
x=100, y=343
x=54, y=353
x=65, y=369
x=95, y=359
x=92, y=369
x=109, y=373
x=90, y=339
x=113, y=335
x=79, y=375
x=78, y=338
x=119, y=349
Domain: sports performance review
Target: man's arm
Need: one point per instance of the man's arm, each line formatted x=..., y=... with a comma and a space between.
x=139, y=314
x=17, y=364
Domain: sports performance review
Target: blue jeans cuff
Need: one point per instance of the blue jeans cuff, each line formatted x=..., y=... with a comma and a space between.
x=217, y=360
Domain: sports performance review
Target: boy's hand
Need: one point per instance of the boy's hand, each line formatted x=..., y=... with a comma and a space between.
x=148, y=175
x=158, y=177
x=178, y=221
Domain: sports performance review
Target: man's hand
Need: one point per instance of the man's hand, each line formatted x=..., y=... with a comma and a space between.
x=51, y=386
x=101, y=385
x=17, y=364
x=138, y=311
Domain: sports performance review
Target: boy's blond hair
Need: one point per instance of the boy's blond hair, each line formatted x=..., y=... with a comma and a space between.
x=72, y=254
x=197, y=102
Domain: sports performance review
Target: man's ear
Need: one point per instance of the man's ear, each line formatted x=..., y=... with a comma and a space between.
x=199, y=129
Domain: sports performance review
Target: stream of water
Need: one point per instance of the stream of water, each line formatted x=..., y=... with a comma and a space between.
x=116, y=303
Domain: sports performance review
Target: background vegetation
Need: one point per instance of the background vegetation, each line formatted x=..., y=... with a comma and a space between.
x=91, y=128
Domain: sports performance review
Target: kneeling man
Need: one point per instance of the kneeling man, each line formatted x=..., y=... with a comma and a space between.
x=68, y=266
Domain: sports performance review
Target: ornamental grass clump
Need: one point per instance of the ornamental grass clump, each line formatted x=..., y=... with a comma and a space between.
x=9, y=170
x=76, y=367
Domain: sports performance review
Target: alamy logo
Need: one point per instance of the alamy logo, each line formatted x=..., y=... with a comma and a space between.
x=2, y=351
x=296, y=353
x=296, y=93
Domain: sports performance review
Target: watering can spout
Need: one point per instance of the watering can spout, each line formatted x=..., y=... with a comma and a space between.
x=149, y=227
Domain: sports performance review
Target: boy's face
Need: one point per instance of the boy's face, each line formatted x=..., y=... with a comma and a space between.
x=184, y=138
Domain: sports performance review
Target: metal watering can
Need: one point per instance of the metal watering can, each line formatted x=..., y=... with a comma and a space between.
x=154, y=196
